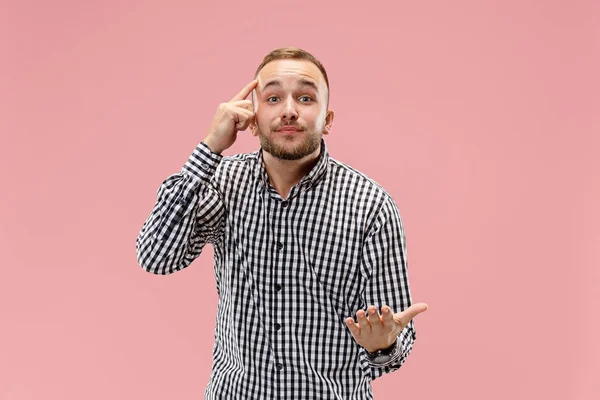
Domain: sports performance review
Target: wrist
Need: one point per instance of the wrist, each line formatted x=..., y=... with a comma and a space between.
x=212, y=146
x=383, y=357
x=383, y=351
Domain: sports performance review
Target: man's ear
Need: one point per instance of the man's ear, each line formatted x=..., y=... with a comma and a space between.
x=328, y=122
x=252, y=126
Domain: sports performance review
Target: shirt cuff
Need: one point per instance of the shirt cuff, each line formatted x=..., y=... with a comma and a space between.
x=202, y=163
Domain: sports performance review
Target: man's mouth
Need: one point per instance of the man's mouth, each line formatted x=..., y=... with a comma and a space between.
x=289, y=129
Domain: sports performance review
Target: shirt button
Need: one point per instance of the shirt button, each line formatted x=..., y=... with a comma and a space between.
x=204, y=166
x=279, y=246
x=277, y=287
x=279, y=366
x=284, y=204
x=277, y=327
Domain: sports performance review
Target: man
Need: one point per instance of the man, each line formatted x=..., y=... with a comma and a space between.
x=302, y=243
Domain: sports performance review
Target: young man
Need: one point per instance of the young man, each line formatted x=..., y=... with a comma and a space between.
x=302, y=243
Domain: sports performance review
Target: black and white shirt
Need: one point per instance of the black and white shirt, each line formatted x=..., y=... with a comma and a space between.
x=288, y=272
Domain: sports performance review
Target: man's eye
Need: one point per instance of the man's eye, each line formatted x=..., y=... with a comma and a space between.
x=308, y=98
x=272, y=97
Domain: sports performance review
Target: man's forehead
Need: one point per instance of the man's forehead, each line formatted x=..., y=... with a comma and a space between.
x=290, y=71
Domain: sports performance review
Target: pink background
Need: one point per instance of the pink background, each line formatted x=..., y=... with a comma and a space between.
x=481, y=118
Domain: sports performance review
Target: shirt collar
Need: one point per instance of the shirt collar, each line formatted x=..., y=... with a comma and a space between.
x=317, y=173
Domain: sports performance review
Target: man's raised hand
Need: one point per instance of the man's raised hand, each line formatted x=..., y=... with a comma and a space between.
x=375, y=332
x=231, y=117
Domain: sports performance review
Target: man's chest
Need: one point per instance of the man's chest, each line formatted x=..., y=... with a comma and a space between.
x=311, y=242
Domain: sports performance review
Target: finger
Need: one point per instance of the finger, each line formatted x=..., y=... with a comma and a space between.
x=245, y=104
x=388, y=316
x=374, y=317
x=244, y=118
x=363, y=322
x=245, y=91
x=407, y=315
x=242, y=114
x=354, y=328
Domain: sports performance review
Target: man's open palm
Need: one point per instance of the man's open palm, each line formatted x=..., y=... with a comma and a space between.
x=375, y=332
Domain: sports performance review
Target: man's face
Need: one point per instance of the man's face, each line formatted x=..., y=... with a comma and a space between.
x=291, y=94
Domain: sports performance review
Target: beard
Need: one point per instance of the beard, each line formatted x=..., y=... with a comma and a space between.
x=285, y=148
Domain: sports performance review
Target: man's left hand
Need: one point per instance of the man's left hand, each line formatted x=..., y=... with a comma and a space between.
x=375, y=332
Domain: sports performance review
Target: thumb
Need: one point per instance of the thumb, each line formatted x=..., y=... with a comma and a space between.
x=404, y=317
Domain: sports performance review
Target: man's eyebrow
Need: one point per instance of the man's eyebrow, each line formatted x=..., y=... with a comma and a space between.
x=306, y=82
x=301, y=82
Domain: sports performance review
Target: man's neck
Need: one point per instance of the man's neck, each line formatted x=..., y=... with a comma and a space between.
x=284, y=174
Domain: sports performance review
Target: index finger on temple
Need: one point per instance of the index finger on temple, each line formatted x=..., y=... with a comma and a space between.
x=245, y=91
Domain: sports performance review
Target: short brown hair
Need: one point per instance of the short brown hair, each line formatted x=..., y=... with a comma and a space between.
x=293, y=53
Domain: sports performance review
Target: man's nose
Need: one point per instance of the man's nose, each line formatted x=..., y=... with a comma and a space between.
x=289, y=111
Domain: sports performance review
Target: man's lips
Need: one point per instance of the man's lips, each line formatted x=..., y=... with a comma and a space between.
x=289, y=129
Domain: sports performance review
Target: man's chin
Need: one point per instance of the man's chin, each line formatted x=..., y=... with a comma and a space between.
x=284, y=154
x=289, y=153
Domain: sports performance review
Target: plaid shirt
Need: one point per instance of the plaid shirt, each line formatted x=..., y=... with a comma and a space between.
x=288, y=272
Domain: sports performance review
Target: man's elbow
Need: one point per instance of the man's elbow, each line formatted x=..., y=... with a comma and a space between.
x=150, y=260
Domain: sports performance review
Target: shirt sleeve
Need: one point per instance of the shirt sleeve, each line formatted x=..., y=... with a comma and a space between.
x=384, y=259
x=189, y=212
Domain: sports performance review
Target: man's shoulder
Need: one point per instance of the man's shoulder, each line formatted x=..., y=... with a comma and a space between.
x=345, y=173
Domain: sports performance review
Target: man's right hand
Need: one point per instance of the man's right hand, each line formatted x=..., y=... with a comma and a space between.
x=230, y=118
